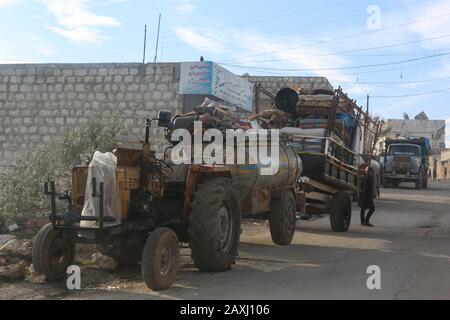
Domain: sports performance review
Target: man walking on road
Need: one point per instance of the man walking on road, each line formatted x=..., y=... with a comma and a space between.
x=366, y=197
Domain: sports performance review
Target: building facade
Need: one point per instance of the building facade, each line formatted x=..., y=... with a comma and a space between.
x=440, y=165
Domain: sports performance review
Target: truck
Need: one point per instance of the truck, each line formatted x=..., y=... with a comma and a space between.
x=406, y=160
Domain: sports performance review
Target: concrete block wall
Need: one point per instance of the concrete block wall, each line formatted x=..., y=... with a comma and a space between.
x=38, y=102
x=41, y=101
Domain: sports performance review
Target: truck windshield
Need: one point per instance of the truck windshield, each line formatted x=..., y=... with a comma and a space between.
x=404, y=150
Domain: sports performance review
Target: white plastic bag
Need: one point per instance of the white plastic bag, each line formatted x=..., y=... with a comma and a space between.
x=103, y=169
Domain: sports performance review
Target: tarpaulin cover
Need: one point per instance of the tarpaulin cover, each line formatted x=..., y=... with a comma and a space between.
x=103, y=169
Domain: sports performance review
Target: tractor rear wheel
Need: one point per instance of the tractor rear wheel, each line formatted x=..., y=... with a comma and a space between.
x=215, y=225
x=282, y=219
x=340, y=212
x=160, y=259
x=52, y=254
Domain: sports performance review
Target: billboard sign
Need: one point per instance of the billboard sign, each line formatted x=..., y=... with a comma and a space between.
x=208, y=78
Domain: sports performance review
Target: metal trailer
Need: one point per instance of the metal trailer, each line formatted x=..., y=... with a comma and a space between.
x=328, y=183
x=330, y=167
x=197, y=204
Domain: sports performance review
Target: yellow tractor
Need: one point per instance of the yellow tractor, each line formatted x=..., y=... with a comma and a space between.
x=147, y=207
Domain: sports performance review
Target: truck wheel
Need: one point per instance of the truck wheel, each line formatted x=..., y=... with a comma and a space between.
x=160, y=259
x=214, y=225
x=425, y=181
x=282, y=219
x=340, y=212
x=419, y=183
x=52, y=254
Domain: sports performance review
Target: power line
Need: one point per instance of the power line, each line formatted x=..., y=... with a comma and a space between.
x=346, y=37
x=296, y=13
x=395, y=82
x=411, y=95
x=344, y=18
x=272, y=17
x=364, y=49
x=389, y=69
x=342, y=68
x=278, y=74
x=320, y=22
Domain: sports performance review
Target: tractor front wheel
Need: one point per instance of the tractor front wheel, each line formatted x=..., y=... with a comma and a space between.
x=160, y=259
x=52, y=254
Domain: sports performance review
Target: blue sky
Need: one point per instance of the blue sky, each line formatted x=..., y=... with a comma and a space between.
x=403, y=62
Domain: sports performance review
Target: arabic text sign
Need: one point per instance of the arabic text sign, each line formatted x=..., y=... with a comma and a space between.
x=196, y=78
x=208, y=78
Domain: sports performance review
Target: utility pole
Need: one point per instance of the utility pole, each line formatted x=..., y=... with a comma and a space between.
x=368, y=100
x=157, y=39
x=366, y=124
x=145, y=43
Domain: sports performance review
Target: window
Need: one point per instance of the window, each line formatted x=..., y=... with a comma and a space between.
x=404, y=150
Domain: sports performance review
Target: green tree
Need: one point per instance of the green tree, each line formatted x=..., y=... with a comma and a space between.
x=21, y=187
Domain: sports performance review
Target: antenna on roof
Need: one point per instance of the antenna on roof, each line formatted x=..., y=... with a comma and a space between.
x=145, y=43
x=157, y=39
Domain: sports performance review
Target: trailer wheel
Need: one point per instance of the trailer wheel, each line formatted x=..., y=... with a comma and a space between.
x=283, y=218
x=52, y=254
x=340, y=212
x=215, y=225
x=160, y=259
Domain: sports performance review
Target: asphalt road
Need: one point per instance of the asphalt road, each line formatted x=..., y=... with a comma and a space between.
x=410, y=244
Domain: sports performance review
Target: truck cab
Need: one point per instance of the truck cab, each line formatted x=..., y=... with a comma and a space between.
x=406, y=160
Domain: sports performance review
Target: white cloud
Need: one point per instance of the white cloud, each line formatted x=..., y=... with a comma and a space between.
x=201, y=41
x=76, y=22
x=185, y=7
x=247, y=47
x=433, y=27
x=4, y=3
